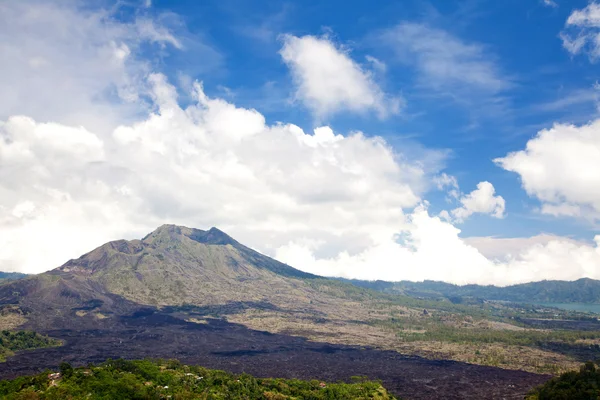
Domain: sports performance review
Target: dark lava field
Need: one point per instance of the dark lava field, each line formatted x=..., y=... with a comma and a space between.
x=235, y=348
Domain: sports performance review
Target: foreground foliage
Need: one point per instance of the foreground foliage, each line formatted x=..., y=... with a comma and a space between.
x=121, y=379
x=22, y=340
x=582, y=385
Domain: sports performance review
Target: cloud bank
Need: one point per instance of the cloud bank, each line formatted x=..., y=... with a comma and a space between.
x=325, y=203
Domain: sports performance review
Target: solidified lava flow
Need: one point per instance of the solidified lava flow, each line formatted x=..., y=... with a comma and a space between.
x=235, y=348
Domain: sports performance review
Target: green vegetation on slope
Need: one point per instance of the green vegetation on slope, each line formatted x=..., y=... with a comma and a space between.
x=580, y=291
x=22, y=340
x=582, y=385
x=120, y=379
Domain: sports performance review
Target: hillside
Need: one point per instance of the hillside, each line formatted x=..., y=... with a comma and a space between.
x=170, y=379
x=579, y=291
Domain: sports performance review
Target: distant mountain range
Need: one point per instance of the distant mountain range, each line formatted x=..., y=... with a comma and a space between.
x=580, y=291
x=178, y=265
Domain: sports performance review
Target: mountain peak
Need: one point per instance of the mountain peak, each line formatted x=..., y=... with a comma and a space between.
x=213, y=236
x=176, y=265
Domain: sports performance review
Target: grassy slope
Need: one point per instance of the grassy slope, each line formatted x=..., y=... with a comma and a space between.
x=153, y=380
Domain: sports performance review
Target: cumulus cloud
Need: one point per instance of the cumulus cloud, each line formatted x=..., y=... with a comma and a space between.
x=64, y=61
x=429, y=248
x=504, y=249
x=559, y=166
x=328, y=80
x=481, y=200
x=209, y=164
x=449, y=183
x=582, y=31
x=325, y=203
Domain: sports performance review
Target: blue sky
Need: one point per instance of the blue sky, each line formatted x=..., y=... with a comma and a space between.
x=518, y=41
x=455, y=140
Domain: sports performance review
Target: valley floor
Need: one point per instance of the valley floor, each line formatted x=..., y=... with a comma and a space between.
x=232, y=347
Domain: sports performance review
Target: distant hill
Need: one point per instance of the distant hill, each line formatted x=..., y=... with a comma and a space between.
x=580, y=291
x=11, y=276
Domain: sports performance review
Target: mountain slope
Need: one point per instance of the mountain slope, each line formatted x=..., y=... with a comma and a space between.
x=176, y=265
x=177, y=268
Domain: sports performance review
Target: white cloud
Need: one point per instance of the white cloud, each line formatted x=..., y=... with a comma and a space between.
x=378, y=65
x=449, y=183
x=209, y=164
x=431, y=249
x=329, y=81
x=542, y=257
x=323, y=202
x=576, y=98
x=445, y=61
x=482, y=201
x=560, y=167
x=582, y=31
x=550, y=3
x=444, y=180
x=505, y=249
x=67, y=62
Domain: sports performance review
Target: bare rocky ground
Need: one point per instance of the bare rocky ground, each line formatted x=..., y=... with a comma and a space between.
x=235, y=348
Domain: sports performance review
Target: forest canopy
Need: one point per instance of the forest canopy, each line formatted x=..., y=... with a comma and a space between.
x=148, y=379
